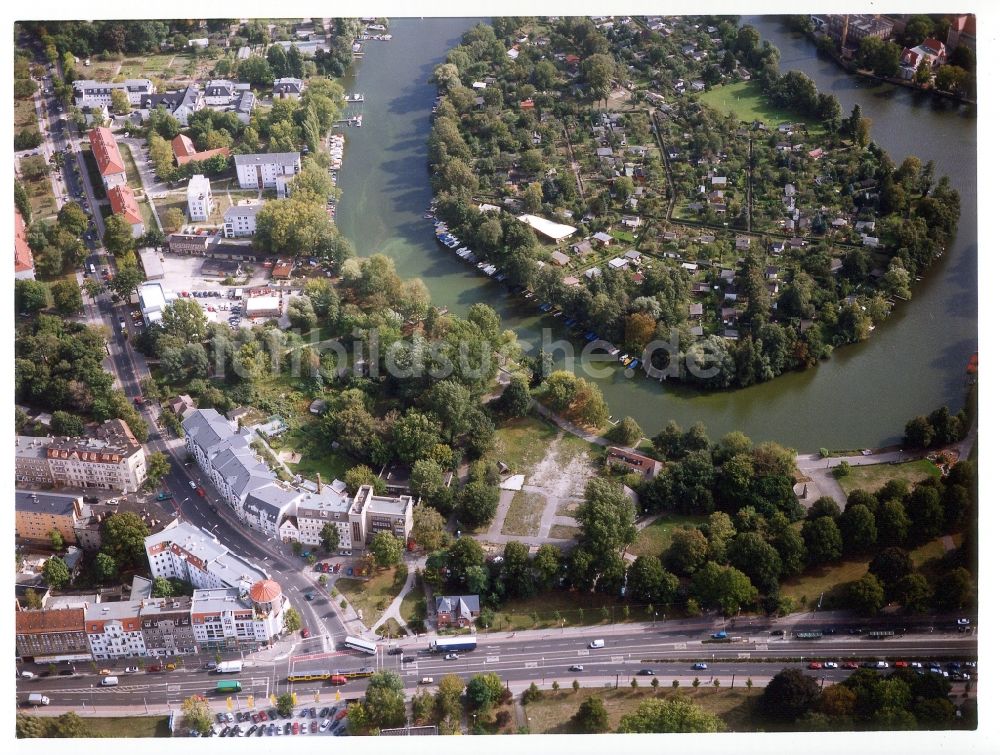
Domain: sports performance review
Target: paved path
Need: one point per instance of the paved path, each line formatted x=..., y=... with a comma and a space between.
x=568, y=426
x=496, y=526
x=392, y=612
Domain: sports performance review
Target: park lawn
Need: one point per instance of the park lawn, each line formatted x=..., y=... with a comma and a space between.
x=806, y=588
x=135, y=726
x=148, y=217
x=873, y=476
x=40, y=197
x=25, y=113
x=131, y=172
x=154, y=66
x=411, y=602
x=390, y=629
x=164, y=204
x=524, y=515
x=557, y=608
x=746, y=101
x=522, y=443
x=564, y=532
x=372, y=596
x=551, y=714
x=654, y=539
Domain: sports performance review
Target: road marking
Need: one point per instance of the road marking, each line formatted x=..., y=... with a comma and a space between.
x=743, y=655
x=761, y=646
x=680, y=646
x=493, y=659
x=173, y=688
x=583, y=652
x=531, y=664
x=617, y=659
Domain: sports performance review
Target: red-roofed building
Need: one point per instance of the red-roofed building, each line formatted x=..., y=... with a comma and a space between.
x=109, y=159
x=962, y=31
x=185, y=152
x=24, y=262
x=123, y=203
x=50, y=635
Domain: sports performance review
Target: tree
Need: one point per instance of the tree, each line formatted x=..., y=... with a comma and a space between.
x=414, y=435
x=384, y=703
x=69, y=726
x=484, y=690
x=55, y=573
x=428, y=528
x=756, y=558
x=824, y=506
x=301, y=313
x=21, y=201
x=890, y=565
x=954, y=590
x=126, y=280
x=123, y=538
x=387, y=549
x=478, y=503
x=627, y=432
x=329, y=537
x=723, y=586
x=788, y=695
x=173, y=219
x=547, y=564
x=688, y=550
x=822, y=539
x=515, y=401
x=598, y=71
x=914, y=593
x=196, y=713
x=674, y=715
x=285, y=705
x=119, y=102
x=67, y=297
x=591, y=717
x=293, y=622
x=67, y=424
x=162, y=588
x=185, y=320
x=157, y=467
x=426, y=478
x=105, y=568
x=866, y=595
x=857, y=530
x=118, y=235
x=649, y=582
x=892, y=523
x=29, y=296
x=360, y=475
x=56, y=539
x=926, y=513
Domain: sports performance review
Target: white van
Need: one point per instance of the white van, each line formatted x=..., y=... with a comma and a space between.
x=93, y=270
x=109, y=681
x=596, y=644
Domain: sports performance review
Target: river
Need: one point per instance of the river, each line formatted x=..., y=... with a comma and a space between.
x=863, y=396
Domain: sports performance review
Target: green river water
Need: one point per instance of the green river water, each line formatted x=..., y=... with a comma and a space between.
x=863, y=396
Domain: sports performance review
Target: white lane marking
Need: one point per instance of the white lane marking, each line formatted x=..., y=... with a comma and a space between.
x=617, y=659
x=680, y=646
x=493, y=659
x=531, y=664
x=583, y=652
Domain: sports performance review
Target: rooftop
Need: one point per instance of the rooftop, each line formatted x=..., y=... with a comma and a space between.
x=278, y=158
x=46, y=503
x=44, y=620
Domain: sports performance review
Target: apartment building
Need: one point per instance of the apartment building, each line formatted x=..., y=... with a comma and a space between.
x=51, y=635
x=230, y=619
x=111, y=458
x=166, y=626
x=222, y=92
x=181, y=104
x=123, y=203
x=31, y=460
x=199, y=198
x=240, y=220
x=108, y=157
x=88, y=93
x=371, y=514
x=114, y=630
x=38, y=514
x=183, y=551
x=267, y=171
x=330, y=505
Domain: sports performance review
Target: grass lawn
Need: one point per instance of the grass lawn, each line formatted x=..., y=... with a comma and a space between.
x=41, y=198
x=567, y=508
x=524, y=515
x=557, y=608
x=874, y=476
x=812, y=583
x=316, y=456
x=24, y=113
x=136, y=726
x=154, y=66
x=655, y=538
x=372, y=596
x=146, y=208
x=552, y=713
x=413, y=602
x=391, y=629
x=746, y=101
x=168, y=202
x=131, y=172
x=564, y=531
x=522, y=443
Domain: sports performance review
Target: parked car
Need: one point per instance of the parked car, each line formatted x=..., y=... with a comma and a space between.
x=646, y=672
x=131, y=669
x=193, y=484
x=394, y=651
x=210, y=666
x=700, y=667
x=309, y=596
x=830, y=664
x=901, y=664
x=849, y=664
x=815, y=665
x=408, y=659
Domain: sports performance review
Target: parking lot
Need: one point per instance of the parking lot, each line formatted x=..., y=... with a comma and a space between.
x=182, y=274
x=313, y=720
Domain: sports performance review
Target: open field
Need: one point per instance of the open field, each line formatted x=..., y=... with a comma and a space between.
x=372, y=596
x=522, y=443
x=133, y=726
x=24, y=113
x=552, y=713
x=153, y=66
x=558, y=608
x=655, y=539
x=564, y=531
x=806, y=588
x=131, y=172
x=525, y=514
x=146, y=208
x=43, y=202
x=873, y=476
x=746, y=101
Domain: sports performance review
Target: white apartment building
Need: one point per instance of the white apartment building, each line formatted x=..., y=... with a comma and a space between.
x=114, y=630
x=89, y=93
x=265, y=171
x=183, y=551
x=220, y=92
x=199, y=198
x=329, y=506
x=111, y=458
x=240, y=220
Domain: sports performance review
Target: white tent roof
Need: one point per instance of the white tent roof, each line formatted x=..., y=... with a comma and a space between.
x=555, y=231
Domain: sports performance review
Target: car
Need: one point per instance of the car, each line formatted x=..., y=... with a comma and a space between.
x=916, y=664
x=261, y=731
x=341, y=714
x=272, y=714
x=408, y=659
x=270, y=730
x=312, y=713
x=295, y=727
x=324, y=726
x=131, y=669
x=303, y=713
x=778, y=632
x=27, y=675
x=700, y=666
x=576, y=667
x=962, y=622
x=323, y=712
x=224, y=732
x=220, y=718
x=815, y=665
x=831, y=664
x=200, y=491
x=336, y=568
x=210, y=666
x=104, y=672
x=309, y=596
x=427, y=680
x=881, y=664
x=288, y=728
x=830, y=630
x=163, y=497
x=193, y=484
x=954, y=666
x=720, y=635
x=305, y=633
x=394, y=651
x=849, y=665
x=313, y=727
x=451, y=657
x=901, y=664
x=933, y=665
x=646, y=672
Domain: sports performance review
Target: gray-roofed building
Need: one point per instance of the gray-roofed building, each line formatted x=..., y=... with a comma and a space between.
x=370, y=514
x=166, y=626
x=89, y=93
x=328, y=506
x=181, y=104
x=37, y=514
x=240, y=220
x=287, y=88
x=151, y=264
x=265, y=507
x=114, y=630
x=234, y=618
x=262, y=171
x=224, y=92
x=244, y=106
x=456, y=610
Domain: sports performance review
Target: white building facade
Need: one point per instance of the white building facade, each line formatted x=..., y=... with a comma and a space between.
x=262, y=171
x=199, y=198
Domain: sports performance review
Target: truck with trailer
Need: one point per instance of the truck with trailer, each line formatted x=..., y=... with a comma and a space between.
x=453, y=644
